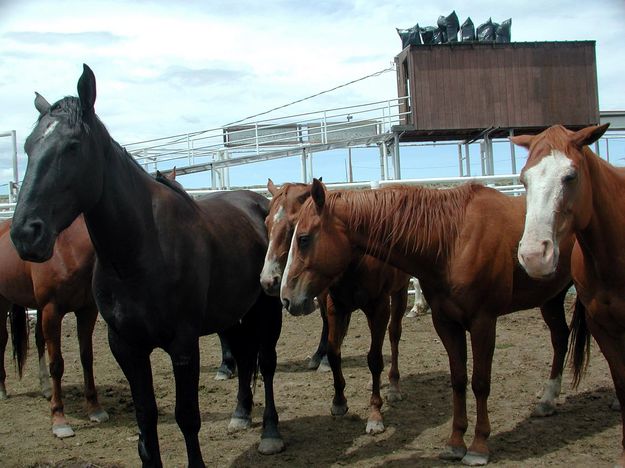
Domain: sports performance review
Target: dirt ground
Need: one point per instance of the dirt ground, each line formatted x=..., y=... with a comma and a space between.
x=584, y=431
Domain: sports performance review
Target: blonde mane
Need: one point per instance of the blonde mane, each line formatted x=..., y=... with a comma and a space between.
x=418, y=218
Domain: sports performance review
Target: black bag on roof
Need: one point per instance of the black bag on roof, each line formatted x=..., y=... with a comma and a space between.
x=503, y=31
x=486, y=31
x=467, y=31
x=450, y=26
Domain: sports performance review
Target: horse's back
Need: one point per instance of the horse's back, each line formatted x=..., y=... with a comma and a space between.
x=237, y=209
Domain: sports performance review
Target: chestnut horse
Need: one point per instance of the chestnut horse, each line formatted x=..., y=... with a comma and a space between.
x=168, y=269
x=461, y=244
x=571, y=191
x=367, y=284
x=60, y=285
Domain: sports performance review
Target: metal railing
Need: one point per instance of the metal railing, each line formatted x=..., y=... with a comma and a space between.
x=338, y=127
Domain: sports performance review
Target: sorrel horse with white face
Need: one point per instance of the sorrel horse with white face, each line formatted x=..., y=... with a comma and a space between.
x=55, y=287
x=167, y=269
x=573, y=192
x=461, y=243
x=367, y=284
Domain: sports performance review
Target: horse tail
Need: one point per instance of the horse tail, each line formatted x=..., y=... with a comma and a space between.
x=579, y=347
x=19, y=336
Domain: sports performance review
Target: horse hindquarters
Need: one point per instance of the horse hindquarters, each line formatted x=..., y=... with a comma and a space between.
x=253, y=342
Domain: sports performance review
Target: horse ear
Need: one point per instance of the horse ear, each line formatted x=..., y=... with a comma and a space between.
x=522, y=140
x=271, y=187
x=588, y=135
x=41, y=104
x=158, y=174
x=172, y=174
x=318, y=194
x=86, y=89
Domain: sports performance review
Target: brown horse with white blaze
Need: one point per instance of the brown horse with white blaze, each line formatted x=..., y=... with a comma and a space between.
x=461, y=243
x=571, y=191
x=367, y=284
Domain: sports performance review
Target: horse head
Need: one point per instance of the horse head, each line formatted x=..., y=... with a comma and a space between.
x=64, y=172
x=284, y=211
x=559, y=196
x=320, y=252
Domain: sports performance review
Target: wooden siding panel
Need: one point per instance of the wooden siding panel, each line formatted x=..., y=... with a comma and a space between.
x=474, y=86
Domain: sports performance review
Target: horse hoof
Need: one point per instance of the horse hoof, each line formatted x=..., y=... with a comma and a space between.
x=99, y=416
x=339, y=410
x=452, y=453
x=374, y=427
x=412, y=313
x=220, y=375
x=475, y=459
x=313, y=362
x=324, y=365
x=3, y=395
x=544, y=409
x=615, y=405
x=62, y=431
x=46, y=393
x=394, y=395
x=270, y=446
x=239, y=424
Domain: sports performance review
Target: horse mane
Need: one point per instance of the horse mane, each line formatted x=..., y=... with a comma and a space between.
x=420, y=218
x=172, y=184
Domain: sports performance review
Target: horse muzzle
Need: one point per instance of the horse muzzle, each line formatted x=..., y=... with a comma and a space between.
x=299, y=307
x=33, y=242
x=539, y=258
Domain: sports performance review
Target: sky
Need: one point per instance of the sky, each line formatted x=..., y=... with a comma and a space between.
x=165, y=68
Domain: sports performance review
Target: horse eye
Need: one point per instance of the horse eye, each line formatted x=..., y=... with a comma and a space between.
x=569, y=177
x=303, y=241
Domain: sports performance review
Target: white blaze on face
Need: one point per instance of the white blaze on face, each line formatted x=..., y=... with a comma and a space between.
x=50, y=128
x=544, y=196
x=285, y=275
x=271, y=266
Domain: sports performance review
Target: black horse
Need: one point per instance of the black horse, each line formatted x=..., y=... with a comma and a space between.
x=168, y=269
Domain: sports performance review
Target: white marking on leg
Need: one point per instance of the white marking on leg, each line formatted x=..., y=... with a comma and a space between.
x=552, y=390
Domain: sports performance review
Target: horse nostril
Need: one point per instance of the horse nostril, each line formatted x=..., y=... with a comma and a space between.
x=276, y=280
x=286, y=304
x=35, y=229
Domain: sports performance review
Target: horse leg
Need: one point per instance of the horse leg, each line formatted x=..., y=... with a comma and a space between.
x=338, y=322
x=135, y=364
x=319, y=360
x=4, y=338
x=44, y=373
x=51, y=325
x=269, y=320
x=185, y=358
x=455, y=341
x=553, y=315
x=399, y=303
x=483, y=331
x=377, y=313
x=85, y=323
x=613, y=349
x=244, y=343
x=228, y=365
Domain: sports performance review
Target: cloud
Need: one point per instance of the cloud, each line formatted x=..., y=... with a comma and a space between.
x=183, y=76
x=91, y=38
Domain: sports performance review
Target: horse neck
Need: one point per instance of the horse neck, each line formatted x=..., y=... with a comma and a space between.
x=602, y=238
x=121, y=223
x=405, y=226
